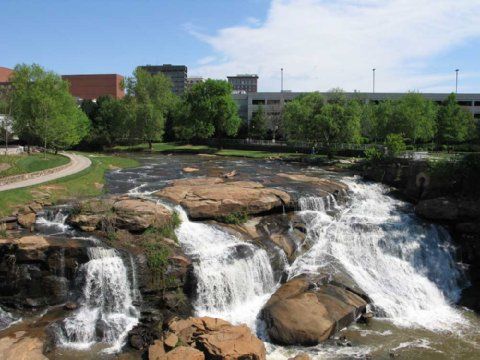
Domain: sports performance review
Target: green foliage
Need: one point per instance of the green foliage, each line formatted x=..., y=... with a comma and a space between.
x=395, y=144
x=372, y=154
x=43, y=110
x=208, y=110
x=167, y=230
x=454, y=123
x=235, y=218
x=258, y=125
x=21, y=164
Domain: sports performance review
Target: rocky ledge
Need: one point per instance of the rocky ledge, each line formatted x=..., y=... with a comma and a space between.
x=211, y=198
x=119, y=212
x=36, y=271
x=206, y=338
x=307, y=311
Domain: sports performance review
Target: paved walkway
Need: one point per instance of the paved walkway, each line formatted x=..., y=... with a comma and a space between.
x=77, y=164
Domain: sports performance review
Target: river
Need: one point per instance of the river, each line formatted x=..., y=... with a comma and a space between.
x=406, y=266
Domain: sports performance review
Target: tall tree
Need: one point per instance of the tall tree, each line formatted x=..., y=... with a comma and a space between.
x=43, y=110
x=152, y=98
x=454, y=123
x=208, y=110
x=258, y=125
x=414, y=118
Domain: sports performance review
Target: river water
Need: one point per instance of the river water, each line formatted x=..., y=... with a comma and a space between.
x=407, y=267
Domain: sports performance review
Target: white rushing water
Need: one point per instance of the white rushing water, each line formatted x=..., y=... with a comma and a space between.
x=106, y=313
x=234, y=278
x=406, y=267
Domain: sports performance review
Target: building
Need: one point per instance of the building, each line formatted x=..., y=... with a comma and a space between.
x=92, y=86
x=176, y=73
x=273, y=102
x=244, y=82
x=194, y=80
x=5, y=74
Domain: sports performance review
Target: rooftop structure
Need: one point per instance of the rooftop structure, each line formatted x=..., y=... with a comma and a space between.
x=92, y=86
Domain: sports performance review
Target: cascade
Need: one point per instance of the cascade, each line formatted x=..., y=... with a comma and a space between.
x=405, y=266
x=106, y=313
x=234, y=278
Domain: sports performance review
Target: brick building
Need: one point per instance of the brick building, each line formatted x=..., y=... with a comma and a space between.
x=92, y=86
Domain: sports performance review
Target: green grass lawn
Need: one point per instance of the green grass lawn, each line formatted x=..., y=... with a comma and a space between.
x=204, y=149
x=21, y=164
x=87, y=183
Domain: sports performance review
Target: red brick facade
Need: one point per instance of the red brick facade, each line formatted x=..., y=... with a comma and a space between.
x=5, y=74
x=93, y=86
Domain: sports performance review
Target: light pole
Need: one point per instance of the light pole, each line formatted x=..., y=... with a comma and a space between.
x=373, y=71
x=456, y=80
x=281, y=80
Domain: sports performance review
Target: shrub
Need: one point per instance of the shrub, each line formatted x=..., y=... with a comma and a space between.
x=373, y=154
x=395, y=144
x=235, y=218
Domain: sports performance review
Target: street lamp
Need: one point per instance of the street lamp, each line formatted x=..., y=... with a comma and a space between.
x=456, y=80
x=373, y=71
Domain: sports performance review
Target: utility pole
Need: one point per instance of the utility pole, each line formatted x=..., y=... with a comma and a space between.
x=456, y=80
x=373, y=71
x=281, y=80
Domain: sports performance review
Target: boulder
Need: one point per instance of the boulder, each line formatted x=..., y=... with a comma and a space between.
x=190, y=169
x=156, y=351
x=300, y=357
x=305, y=312
x=217, y=338
x=27, y=220
x=134, y=215
x=443, y=209
x=184, y=353
x=210, y=198
x=323, y=185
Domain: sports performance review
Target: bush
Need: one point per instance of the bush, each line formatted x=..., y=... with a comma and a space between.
x=395, y=144
x=235, y=218
x=373, y=154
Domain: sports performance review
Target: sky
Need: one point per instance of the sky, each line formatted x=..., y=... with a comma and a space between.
x=414, y=45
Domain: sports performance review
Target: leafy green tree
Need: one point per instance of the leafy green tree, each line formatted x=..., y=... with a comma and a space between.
x=395, y=144
x=208, y=110
x=258, y=125
x=152, y=99
x=414, y=117
x=43, y=110
x=454, y=123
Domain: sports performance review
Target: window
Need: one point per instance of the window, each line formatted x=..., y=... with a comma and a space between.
x=476, y=103
x=476, y=116
x=464, y=103
x=258, y=102
x=273, y=102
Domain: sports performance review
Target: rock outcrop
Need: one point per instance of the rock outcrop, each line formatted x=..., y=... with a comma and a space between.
x=37, y=271
x=208, y=337
x=134, y=215
x=211, y=198
x=324, y=186
x=306, y=311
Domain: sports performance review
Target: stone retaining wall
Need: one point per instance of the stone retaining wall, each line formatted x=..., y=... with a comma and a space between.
x=21, y=177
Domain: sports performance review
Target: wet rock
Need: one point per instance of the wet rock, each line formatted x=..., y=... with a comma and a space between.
x=437, y=209
x=302, y=312
x=156, y=351
x=217, y=338
x=134, y=215
x=323, y=185
x=300, y=357
x=210, y=198
x=183, y=353
x=21, y=347
x=230, y=174
x=141, y=337
x=56, y=288
x=190, y=169
x=70, y=306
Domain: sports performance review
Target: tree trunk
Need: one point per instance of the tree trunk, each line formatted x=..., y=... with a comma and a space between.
x=150, y=145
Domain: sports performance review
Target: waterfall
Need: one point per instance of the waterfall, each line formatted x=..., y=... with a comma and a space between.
x=234, y=278
x=405, y=266
x=106, y=313
x=6, y=319
x=52, y=221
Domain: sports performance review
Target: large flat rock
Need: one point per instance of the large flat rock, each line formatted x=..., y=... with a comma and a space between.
x=210, y=198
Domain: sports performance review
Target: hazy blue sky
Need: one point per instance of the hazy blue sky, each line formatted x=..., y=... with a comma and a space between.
x=414, y=44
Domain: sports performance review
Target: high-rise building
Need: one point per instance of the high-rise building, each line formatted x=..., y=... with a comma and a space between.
x=92, y=86
x=194, y=80
x=176, y=73
x=244, y=82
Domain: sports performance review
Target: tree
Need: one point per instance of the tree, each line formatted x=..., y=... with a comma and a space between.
x=5, y=113
x=454, y=123
x=258, y=125
x=208, y=110
x=152, y=99
x=414, y=117
x=43, y=110
x=395, y=144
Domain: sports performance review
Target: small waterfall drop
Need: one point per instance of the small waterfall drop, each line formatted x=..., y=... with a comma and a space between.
x=53, y=221
x=235, y=278
x=406, y=267
x=106, y=313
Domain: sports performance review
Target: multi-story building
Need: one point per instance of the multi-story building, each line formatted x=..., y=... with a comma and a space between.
x=273, y=102
x=194, y=80
x=92, y=86
x=244, y=82
x=5, y=74
x=176, y=73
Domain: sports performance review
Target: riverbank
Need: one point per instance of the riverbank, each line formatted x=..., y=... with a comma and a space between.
x=89, y=182
x=23, y=164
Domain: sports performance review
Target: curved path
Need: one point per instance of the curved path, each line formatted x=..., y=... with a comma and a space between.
x=77, y=164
